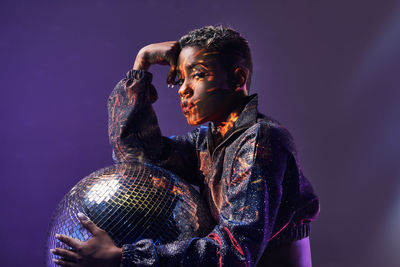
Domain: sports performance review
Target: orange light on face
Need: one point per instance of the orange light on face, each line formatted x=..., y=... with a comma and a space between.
x=228, y=124
x=203, y=63
x=182, y=68
x=199, y=52
x=196, y=101
x=210, y=53
x=195, y=120
x=200, y=78
x=193, y=116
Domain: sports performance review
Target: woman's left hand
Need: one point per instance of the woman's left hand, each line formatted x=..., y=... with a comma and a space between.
x=98, y=251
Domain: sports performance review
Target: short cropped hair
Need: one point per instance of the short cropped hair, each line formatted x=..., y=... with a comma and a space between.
x=233, y=49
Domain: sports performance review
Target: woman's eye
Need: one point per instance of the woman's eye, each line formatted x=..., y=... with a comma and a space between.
x=199, y=75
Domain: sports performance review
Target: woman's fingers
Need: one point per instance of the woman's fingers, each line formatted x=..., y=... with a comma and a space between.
x=171, y=74
x=88, y=224
x=61, y=262
x=72, y=242
x=65, y=254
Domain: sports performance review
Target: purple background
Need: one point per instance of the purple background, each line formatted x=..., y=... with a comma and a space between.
x=328, y=70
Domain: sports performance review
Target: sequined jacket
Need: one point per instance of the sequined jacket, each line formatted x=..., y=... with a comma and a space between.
x=251, y=179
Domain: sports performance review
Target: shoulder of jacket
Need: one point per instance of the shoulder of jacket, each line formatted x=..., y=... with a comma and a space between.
x=268, y=130
x=196, y=136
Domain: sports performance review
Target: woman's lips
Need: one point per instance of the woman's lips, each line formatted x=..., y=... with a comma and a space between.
x=186, y=107
x=186, y=110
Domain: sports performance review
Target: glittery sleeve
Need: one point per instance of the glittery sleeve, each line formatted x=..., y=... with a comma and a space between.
x=255, y=209
x=134, y=132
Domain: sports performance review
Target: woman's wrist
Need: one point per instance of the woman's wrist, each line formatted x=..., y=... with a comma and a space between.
x=141, y=62
x=116, y=255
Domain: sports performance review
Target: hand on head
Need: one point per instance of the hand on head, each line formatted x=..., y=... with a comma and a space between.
x=165, y=53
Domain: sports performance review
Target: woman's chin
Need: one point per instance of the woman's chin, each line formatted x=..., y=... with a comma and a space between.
x=195, y=122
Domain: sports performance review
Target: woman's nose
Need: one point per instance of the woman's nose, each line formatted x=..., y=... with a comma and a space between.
x=185, y=91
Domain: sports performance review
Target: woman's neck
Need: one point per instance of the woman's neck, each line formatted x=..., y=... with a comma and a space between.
x=225, y=125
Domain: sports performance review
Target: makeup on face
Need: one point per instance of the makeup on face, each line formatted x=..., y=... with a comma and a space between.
x=203, y=85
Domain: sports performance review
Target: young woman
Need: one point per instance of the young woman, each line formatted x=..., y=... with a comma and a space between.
x=244, y=163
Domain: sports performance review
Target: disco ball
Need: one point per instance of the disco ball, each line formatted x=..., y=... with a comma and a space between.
x=131, y=202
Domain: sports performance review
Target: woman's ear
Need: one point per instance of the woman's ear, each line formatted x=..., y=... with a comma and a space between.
x=240, y=77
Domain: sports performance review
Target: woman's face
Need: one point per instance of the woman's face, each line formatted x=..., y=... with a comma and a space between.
x=204, y=89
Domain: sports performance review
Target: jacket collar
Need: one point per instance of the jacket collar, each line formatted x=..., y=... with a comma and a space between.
x=246, y=119
x=248, y=116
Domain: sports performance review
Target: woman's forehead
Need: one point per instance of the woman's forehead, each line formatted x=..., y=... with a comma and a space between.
x=191, y=56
